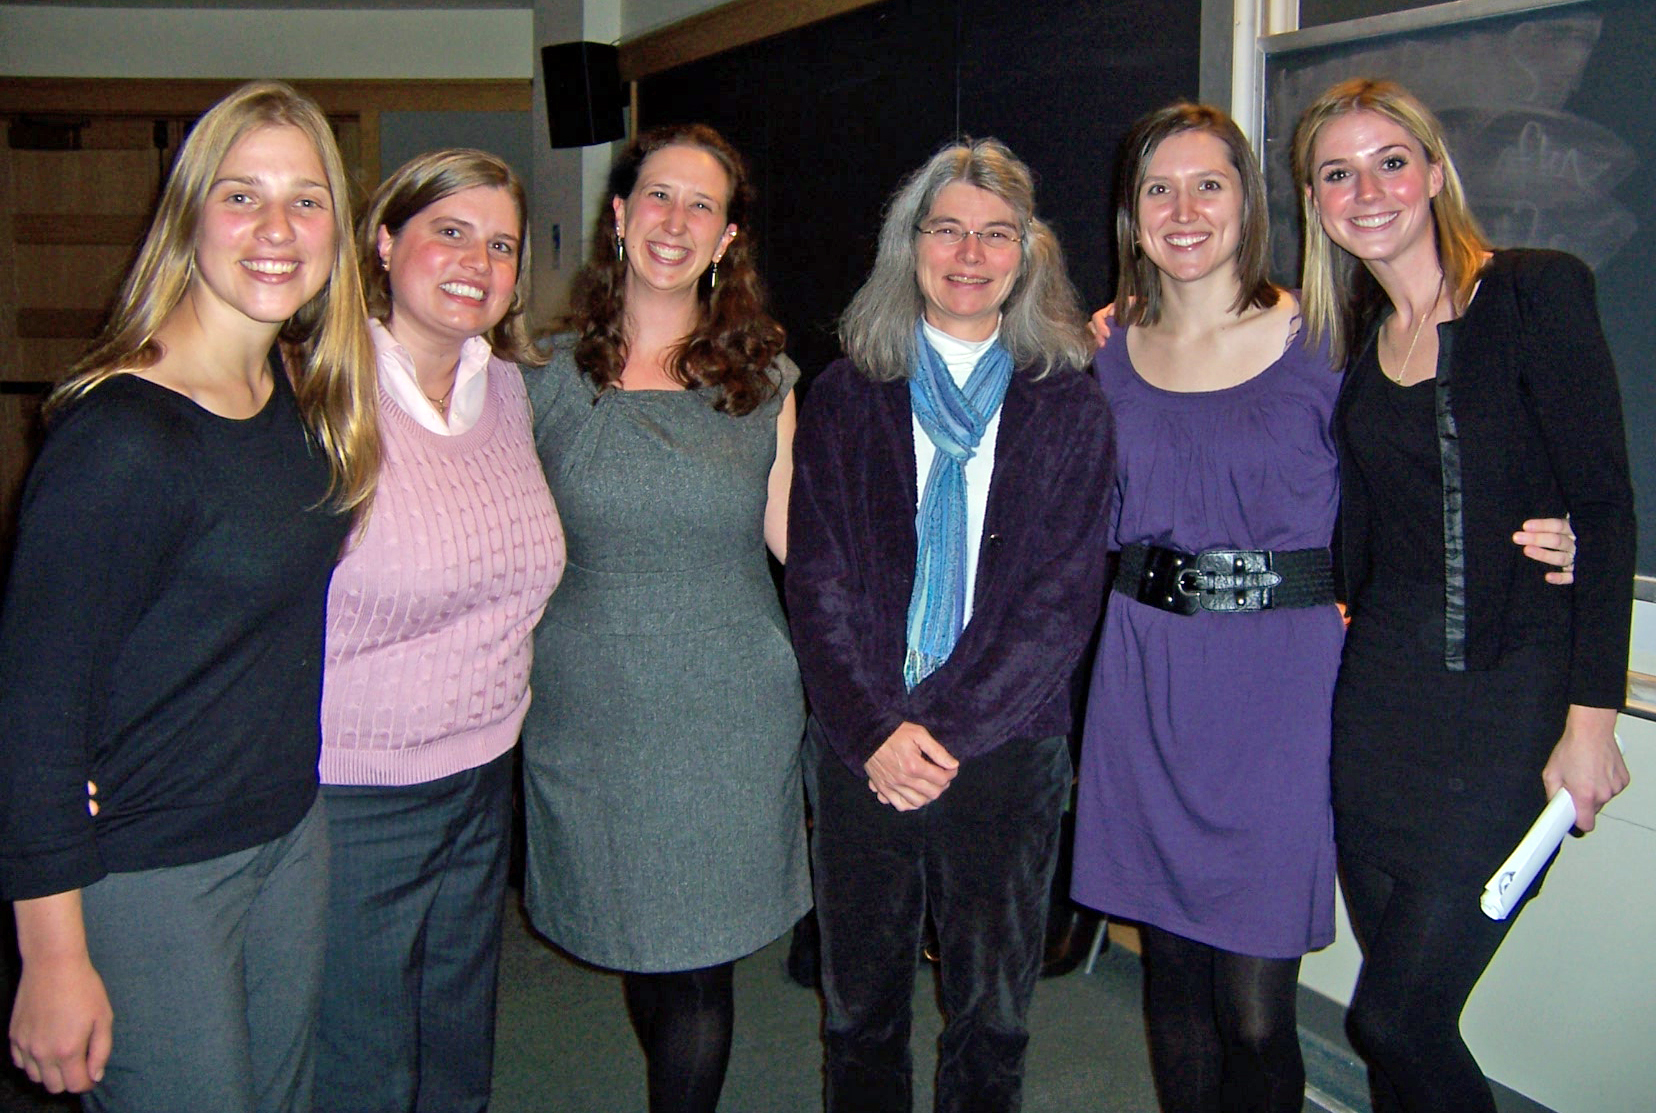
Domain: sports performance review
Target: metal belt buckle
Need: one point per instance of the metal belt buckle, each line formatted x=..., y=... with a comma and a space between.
x=1230, y=580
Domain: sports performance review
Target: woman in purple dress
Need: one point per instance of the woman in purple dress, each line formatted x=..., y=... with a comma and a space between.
x=1204, y=798
x=1204, y=808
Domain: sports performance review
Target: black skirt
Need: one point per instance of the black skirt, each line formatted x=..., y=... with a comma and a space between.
x=1437, y=774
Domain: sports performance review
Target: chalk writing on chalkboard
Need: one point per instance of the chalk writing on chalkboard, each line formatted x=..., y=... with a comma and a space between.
x=1550, y=109
x=1537, y=174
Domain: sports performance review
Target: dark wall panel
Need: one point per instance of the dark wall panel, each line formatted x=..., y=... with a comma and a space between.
x=833, y=115
x=1061, y=82
x=829, y=117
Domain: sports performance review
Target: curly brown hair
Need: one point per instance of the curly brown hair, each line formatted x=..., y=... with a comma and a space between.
x=735, y=339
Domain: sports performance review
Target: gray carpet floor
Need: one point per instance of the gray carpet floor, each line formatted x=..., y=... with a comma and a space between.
x=564, y=1044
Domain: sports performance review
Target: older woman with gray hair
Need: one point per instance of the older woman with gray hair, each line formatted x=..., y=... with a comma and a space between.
x=946, y=559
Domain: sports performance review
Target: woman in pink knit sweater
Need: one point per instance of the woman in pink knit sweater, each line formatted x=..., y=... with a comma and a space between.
x=429, y=624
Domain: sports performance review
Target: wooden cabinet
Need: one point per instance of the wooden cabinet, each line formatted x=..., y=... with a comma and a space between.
x=75, y=191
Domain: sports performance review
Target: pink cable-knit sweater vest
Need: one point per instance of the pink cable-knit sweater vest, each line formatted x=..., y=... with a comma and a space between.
x=431, y=611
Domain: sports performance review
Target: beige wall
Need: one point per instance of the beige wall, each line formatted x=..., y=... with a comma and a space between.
x=641, y=16
x=52, y=41
x=566, y=187
x=208, y=41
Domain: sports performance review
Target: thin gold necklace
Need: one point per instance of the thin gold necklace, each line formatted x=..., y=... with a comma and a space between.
x=440, y=404
x=1419, y=326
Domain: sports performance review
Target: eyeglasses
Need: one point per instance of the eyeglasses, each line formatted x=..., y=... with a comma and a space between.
x=991, y=239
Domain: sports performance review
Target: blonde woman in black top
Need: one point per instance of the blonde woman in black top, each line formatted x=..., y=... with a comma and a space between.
x=162, y=638
x=1479, y=392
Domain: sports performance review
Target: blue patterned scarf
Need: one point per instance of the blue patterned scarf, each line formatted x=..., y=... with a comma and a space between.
x=955, y=420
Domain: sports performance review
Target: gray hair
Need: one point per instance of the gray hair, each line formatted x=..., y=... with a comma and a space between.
x=1041, y=320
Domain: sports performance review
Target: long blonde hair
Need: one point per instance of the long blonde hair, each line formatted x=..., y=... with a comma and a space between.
x=1339, y=297
x=325, y=345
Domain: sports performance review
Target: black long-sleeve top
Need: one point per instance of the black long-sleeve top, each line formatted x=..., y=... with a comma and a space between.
x=1528, y=418
x=161, y=637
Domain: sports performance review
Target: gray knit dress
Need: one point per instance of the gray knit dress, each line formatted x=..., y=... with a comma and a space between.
x=661, y=751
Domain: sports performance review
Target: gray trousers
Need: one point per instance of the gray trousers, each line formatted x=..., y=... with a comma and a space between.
x=414, y=917
x=214, y=970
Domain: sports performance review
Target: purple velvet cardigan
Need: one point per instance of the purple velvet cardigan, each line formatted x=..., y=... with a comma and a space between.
x=851, y=553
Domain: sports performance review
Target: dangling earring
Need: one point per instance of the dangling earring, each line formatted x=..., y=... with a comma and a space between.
x=713, y=277
x=620, y=247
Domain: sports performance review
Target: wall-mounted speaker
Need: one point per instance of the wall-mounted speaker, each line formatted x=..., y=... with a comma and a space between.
x=584, y=96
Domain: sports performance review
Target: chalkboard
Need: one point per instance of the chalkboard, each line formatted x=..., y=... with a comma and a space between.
x=1550, y=109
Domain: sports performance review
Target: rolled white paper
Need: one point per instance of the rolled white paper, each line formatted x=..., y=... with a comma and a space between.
x=1517, y=873
x=1509, y=883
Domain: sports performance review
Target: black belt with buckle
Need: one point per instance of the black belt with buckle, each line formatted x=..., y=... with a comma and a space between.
x=1225, y=581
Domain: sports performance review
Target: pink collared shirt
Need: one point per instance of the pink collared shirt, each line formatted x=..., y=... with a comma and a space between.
x=397, y=378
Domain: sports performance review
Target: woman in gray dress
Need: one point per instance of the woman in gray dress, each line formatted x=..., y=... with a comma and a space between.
x=661, y=752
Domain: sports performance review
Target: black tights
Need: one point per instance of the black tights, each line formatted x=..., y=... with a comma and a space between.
x=683, y=1020
x=1423, y=951
x=1223, y=1034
